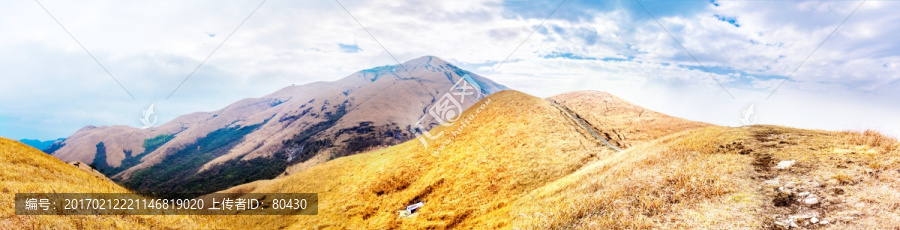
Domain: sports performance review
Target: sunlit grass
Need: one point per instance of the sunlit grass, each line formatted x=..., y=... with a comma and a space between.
x=28, y=170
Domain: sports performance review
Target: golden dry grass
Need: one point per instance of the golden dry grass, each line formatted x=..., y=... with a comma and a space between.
x=687, y=180
x=680, y=181
x=28, y=170
x=620, y=122
x=516, y=144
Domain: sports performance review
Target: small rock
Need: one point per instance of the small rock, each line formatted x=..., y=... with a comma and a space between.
x=811, y=200
x=814, y=220
x=783, y=224
x=824, y=222
x=784, y=164
x=790, y=185
x=803, y=194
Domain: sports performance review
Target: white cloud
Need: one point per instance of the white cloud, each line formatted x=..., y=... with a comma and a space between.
x=150, y=47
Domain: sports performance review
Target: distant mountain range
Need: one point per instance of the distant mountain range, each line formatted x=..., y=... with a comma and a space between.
x=281, y=133
x=42, y=145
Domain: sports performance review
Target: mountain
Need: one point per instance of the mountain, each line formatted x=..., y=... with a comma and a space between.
x=278, y=134
x=28, y=170
x=40, y=144
x=501, y=150
x=520, y=162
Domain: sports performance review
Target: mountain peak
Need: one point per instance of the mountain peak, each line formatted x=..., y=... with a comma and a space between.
x=425, y=61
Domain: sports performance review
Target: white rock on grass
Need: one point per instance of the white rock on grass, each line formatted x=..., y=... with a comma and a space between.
x=811, y=200
x=784, y=164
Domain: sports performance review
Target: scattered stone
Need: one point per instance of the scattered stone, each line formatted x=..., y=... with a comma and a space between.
x=784, y=224
x=784, y=164
x=803, y=194
x=814, y=184
x=824, y=222
x=811, y=200
x=790, y=185
x=814, y=220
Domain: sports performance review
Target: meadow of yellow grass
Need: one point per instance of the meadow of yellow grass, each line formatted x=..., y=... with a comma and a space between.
x=524, y=165
x=24, y=169
x=622, y=123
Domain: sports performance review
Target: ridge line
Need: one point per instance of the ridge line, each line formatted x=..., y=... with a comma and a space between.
x=583, y=124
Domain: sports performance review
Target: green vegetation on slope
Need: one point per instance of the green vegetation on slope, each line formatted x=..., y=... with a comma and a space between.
x=178, y=173
x=303, y=145
x=130, y=160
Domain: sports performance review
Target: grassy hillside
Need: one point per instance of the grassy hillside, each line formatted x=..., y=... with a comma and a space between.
x=516, y=144
x=522, y=164
x=621, y=123
x=28, y=170
x=704, y=179
x=513, y=161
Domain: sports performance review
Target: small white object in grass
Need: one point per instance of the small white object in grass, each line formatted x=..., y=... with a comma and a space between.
x=814, y=220
x=784, y=164
x=412, y=208
x=811, y=200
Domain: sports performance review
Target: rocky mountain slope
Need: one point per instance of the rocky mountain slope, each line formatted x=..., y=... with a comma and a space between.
x=286, y=131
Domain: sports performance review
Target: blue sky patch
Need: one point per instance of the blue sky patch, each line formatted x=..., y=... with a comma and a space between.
x=583, y=10
x=745, y=79
x=730, y=20
x=581, y=57
x=349, y=48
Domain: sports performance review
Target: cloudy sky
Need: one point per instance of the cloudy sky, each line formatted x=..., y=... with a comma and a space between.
x=725, y=55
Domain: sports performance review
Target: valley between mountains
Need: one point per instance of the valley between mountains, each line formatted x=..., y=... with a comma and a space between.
x=578, y=160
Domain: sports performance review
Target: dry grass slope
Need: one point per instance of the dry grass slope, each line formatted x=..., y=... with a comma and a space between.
x=28, y=170
x=620, y=122
x=516, y=144
x=705, y=179
x=521, y=164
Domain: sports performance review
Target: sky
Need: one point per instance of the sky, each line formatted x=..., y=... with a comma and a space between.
x=700, y=60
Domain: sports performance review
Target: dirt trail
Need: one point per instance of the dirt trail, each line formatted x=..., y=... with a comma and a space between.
x=583, y=124
x=794, y=196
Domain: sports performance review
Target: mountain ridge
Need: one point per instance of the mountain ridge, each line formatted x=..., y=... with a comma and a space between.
x=294, y=127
